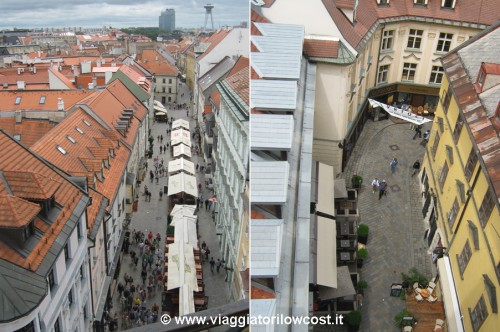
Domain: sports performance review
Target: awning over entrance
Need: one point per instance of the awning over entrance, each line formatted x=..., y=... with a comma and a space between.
x=180, y=164
x=399, y=113
x=450, y=298
x=182, y=149
x=179, y=136
x=180, y=123
x=344, y=286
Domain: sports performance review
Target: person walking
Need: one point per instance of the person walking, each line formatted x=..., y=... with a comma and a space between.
x=218, y=265
x=382, y=189
x=161, y=194
x=375, y=184
x=203, y=245
x=426, y=137
x=212, y=264
x=416, y=167
x=393, y=164
x=418, y=132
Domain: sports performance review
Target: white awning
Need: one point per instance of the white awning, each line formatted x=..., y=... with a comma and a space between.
x=326, y=200
x=265, y=247
x=180, y=123
x=182, y=149
x=450, y=298
x=186, y=300
x=180, y=164
x=344, y=286
x=185, y=230
x=271, y=131
x=399, y=113
x=269, y=183
x=183, y=210
x=181, y=266
x=160, y=109
x=326, y=269
x=179, y=136
x=182, y=183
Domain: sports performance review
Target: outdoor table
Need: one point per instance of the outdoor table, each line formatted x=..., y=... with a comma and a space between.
x=425, y=293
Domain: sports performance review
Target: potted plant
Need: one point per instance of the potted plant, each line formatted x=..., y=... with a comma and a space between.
x=170, y=230
x=356, y=181
x=362, y=285
x=362, y=254
x=403, y=318
x=413, y=277
x=169, y=220
x=363, y=233
x=353, y=320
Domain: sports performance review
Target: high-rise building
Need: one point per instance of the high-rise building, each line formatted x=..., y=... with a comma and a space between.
x=167, y=20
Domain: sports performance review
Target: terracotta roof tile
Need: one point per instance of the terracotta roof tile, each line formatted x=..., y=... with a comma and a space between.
x=207, y=108
x=215, y=96
x=368, y=13
x=31, y=185
x=242, y=62
x=63, y=79
x=40, y=80
x=321, y=48
x=29, y=131
x=261, y=294
x=155, y=63
x=256, y=17
x=240, y=83
x=31, y=100
x=16, y=212
x=92, y=210
x=214, y=40
x=68, y=195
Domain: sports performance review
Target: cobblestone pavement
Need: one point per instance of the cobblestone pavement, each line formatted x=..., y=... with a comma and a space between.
x=396, y=238
x=152, y=216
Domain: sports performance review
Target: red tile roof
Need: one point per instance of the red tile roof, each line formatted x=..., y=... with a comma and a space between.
x=321, y=48
x=40, y=80
x=68, y=195
x=31, y=185
x=214, y=40
x=86, y=156
x=16, y=212
x=242, y=62
x=368, y=13
x=63, y=79
x=207, y=108
x=240, y=81
x=30, y=100
x=155, y=63
x=261, y=294
x=30, y=131
x=215, y=96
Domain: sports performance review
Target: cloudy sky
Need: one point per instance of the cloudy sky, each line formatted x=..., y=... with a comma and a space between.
x=116, y=13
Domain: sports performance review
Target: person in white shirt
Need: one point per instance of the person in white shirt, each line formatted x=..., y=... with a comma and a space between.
x=375, y=184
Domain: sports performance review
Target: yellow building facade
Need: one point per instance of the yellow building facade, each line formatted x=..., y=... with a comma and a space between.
x=458, y=180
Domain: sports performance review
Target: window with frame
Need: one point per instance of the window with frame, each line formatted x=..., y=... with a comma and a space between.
x=383, y=2
x=382, y=74
x=474, y=234
x=66, y=252
x=82, y=274
x=436, y=75
x=471, y=164
x=420, y=2
x=450, y=4
x=464, y=257
x=437, y=138
x=70, y=297
x=18, y=100
x=409, y=70
x=444, y=42
x=458, y=129
x=443, y=175
x=440, y=123
x=445, y=100
x=492, y=293
x=479, y=314
x=461, y=190
x=415, y=39
x=170, y=81
x=452, y=216
x=164, y=80
x=449, y=153
x=57, y=325
x=486, y=208
x=387, y=38
x=51, y=279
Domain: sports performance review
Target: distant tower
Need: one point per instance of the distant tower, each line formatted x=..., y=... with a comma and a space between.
x=208, y=12
x=167, y=20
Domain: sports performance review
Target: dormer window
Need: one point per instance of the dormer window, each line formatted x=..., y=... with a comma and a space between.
x=87, y=123
x=420, y=2
x=71, y=139
x=18, y=100
x=449, y=4
x=79, y=130
x=29, y=230
x=42, y=100
x=383, y=2
x=60, y=149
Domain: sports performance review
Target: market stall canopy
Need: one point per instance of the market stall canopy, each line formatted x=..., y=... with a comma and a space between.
x=179, y=136
x=181, y=164
x=185, y=230
x=182, y=149
x=180, y=123
x=399, y=113
x=183, y=210
x=181, y=266
x=182, y=183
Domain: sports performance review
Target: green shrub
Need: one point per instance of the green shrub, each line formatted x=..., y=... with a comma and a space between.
x=413, y=277
x=363, y=230
x=362, y=253
x=353, y=318
x=398, y=319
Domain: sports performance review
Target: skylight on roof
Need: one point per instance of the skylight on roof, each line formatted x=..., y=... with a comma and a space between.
x=87, y=123
x=79, y=130
x=18, y=100
x=71, y=139
x=60, y=149
x=42, y=100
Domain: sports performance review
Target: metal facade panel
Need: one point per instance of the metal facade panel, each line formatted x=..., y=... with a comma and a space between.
x=271, y=132
x=265, y=247
x=273, y=95
x=269, y=182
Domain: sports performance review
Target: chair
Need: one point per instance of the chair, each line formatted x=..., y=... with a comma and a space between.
x=419, y=298
x=431, y=299
x=418, y=290
x=407, y=329
x=415, y=285
x=431, y=286
x=439, y=322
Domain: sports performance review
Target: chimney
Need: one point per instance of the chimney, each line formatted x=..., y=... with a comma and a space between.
x=21, y=85
x=19, y=116
x=20, y=70
x=94, y=81
x=60, y=104
x=34, y=70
